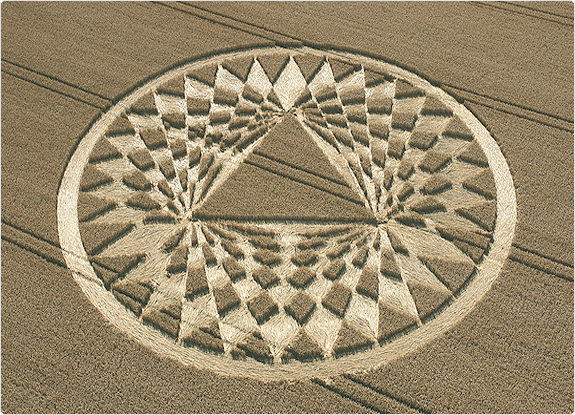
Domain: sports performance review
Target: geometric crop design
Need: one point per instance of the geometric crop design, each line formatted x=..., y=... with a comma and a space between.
x=282, y=207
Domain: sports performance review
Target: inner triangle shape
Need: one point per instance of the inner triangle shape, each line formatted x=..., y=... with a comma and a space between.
x=286, y=177
x=290, y=143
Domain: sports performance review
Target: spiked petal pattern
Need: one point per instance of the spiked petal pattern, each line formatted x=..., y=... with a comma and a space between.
x=307, y=206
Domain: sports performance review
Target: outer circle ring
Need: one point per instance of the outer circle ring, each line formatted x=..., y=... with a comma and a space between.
x=83, y=273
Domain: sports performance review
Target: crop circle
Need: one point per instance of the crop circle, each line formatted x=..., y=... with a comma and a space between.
x=286, y=213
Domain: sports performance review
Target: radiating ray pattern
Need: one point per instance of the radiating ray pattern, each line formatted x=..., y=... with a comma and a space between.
x=176, y=232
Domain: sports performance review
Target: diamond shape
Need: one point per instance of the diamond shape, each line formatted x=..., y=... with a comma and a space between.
x=288, y=84
x=300, y=306
x=226, y=297
x=337, y=299
x=265, y=276
x=262, y=306
x=301, y=277
x=305, y=257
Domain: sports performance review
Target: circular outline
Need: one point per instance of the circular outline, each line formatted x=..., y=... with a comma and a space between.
x=83, y=273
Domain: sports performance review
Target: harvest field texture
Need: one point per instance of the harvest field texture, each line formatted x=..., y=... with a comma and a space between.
x=287, y=207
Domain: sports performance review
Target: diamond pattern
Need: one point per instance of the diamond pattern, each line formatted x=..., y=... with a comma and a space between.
x=280, y=290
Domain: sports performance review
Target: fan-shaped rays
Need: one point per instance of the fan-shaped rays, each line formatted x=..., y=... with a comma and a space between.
x=311, y=289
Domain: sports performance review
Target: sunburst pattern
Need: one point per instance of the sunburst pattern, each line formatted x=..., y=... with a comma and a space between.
x=415, y=211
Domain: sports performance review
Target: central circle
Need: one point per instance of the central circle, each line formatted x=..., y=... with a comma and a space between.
x=286, y=213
